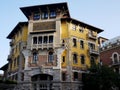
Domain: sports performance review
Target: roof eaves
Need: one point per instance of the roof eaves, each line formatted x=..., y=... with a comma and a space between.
x=15, y=29
x=84, y=24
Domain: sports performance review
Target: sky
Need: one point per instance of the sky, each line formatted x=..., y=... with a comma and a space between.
x=104, y=14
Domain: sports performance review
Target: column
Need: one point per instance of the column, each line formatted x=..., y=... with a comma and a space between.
x=27, y=76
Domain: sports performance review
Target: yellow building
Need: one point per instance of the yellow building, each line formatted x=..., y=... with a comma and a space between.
x=52, y=50
x=18, y=41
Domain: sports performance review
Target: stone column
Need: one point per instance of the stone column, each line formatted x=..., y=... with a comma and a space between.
x=57, y=70
x=26, y=54
x=27, y=75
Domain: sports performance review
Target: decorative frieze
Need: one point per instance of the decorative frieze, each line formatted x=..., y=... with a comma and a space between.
x=44, y=26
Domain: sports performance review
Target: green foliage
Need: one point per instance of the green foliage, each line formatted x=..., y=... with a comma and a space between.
x=8, y=81
x=100, y=78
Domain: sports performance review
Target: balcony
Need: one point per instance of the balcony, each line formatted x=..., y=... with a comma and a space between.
x=116, y=63
x=92, y=36
x=94, y=51
x=42, y=46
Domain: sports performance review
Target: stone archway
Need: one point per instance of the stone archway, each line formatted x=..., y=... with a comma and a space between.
x=42, y=82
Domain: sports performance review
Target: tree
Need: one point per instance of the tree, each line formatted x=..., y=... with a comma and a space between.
x=100, y=78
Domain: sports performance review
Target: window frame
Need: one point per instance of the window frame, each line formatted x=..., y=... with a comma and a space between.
x=35, y=41
x=75, y=76
x=82, y=59
x=92, y=46
x=74, y=42
x=63, y=59
x=40, y=39
x=115, y=59
x=52, y=14
x=36, y=16
x=75, y=58
x=44, y=15
x=82, y=44
x=63, y=76
x=81, y=29
x=35, y=57
x=45, y=39
x=51, y=39
x=92, y=60
x=74, y=27
x=50, y=57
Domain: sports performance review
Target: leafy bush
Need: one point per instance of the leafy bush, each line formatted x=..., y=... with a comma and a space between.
x=8, y=81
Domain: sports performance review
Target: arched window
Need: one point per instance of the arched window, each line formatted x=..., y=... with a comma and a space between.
x=81, y=44
x=50, y=57
x=74, y=42
x=75, y=61
x=115, y=57
x=92, y=60
x=35, y=57
x=82, y=58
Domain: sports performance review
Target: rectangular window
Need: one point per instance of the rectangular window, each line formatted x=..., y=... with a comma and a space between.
x=63, y=59
x=74, y=42
x=50, y=57
x=81, y=29
x=36, y=16
x=81, y=44
x=45, y=39
x=63, y=76
x=75, y=61
x=34, y=40
x=45, y=15
x=82, y=58
x=91, y=46
x=40, y=40
x=35, y=57
x=50, y=39
x=52, y=14
x=75, y=76
x=73, y=27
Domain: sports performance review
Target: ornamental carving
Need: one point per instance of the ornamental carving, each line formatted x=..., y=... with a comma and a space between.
x=44, y=26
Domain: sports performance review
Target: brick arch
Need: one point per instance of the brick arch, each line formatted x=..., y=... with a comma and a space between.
x=117, y=56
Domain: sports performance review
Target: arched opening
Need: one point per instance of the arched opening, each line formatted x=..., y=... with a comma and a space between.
x=92, y=60
x=115, y=58
x=42, y=82
x=50, y=57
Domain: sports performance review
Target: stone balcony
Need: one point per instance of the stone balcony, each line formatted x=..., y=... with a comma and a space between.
x=91, y=36
x=42, y=46
x=94, y=51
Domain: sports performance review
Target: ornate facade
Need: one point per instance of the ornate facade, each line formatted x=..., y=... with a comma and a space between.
x=110, y=53
x=51, y=50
